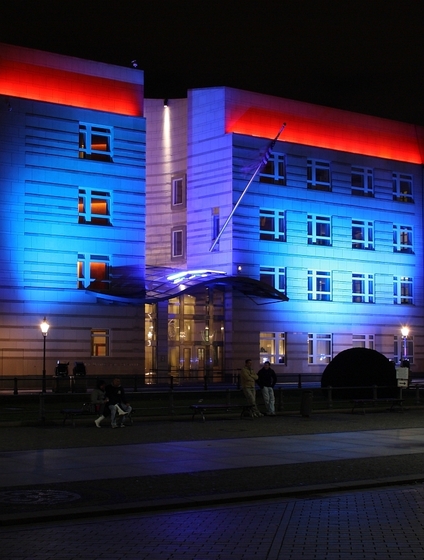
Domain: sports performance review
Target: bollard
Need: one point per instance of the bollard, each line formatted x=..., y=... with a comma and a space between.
x=306, y=404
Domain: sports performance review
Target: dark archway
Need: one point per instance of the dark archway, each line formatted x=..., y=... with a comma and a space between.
x=360, y=367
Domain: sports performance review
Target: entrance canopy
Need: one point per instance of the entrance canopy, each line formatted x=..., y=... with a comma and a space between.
x=128, y=284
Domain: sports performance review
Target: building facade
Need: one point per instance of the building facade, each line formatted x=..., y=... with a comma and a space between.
x=333, y=219
x=72, y=187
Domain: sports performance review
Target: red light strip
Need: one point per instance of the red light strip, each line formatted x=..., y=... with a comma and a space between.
x=333, y=129
x=53, y=85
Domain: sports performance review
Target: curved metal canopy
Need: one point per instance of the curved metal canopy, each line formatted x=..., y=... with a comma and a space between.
x=129, y=285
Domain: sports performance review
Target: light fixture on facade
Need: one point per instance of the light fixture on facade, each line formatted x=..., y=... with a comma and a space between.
x=165, y=102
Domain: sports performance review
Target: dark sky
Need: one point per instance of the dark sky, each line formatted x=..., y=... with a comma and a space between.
x=359, y=55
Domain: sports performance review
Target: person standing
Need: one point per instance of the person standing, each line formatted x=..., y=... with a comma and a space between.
x=98, y=400
x=247, y=380
x=118, y=404
x=266, y=381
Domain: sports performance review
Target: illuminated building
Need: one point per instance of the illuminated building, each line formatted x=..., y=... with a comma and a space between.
x=72, y=191
x=333, y=220
x=111, y=205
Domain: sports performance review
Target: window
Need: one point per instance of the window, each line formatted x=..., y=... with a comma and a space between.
x=93, y=271
x=272, y=348
x=362, y=235
x=362, y=288
x=403, y=349
x=402, y=239
x=100, y=342
x=179, y=191
x=272, y=225
x=363, y=341
x=318, y=175
x=319, y=285
x=178, y=243
x=94, y=207
x=402, y=187
x=402, y=290
x=273, y=276
x=362, y=181
x=274, y=171
x=319, y=348
x=215, y=224
x=319, y=230
x=95, y=142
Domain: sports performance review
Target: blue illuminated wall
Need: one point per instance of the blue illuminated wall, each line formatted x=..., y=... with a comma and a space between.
x=45, y=179
x=228, y=132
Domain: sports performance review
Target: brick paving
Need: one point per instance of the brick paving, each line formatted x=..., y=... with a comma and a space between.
x=377, y=524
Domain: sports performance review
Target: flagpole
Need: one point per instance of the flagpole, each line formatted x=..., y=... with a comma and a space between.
x=262, y=163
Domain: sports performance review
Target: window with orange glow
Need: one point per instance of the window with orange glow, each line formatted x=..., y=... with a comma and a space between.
x=94, y=207
x=95, y=142
x=93, y=272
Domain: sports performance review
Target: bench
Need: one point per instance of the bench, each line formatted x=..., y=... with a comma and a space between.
x=363, y=402
x=200, y=408
x=87, y=409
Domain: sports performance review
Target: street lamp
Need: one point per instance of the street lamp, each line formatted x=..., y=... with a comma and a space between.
x=405, y=332
x=44, y=330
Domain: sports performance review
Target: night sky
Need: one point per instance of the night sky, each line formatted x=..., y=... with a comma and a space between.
x=359, y=55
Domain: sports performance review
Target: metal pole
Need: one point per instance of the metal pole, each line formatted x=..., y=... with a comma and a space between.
x=44, y=363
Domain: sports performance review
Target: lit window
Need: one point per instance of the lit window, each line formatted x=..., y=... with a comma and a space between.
x=402, y=187
x=362, y=235
x=363, y=341
x=273, y=276
x=318, y=175
x=100, y=342
x=402, y=239
x=403, y=290
x=95, y=142
x=93, y=271
x=178, y=248
x=362, y=181
x=319, y=348
x=362, y=288
x=94, y=207
x=319, y=285
x=274, y=171
x=272, y=225
x=178, y=192
x=272, y=348
x=319, y=230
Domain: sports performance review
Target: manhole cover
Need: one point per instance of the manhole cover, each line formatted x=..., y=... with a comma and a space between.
x=37, y=497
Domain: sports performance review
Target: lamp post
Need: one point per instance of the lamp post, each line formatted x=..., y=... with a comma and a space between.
x=405, y=332
x=44, y=330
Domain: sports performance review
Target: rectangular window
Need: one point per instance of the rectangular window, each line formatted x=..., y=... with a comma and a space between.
x=274, y=171
x=95, y=142
x=403, y=349
x=273, y=276
x=402, y=187
x=272, y=348
x=215, y=225
x=319, y=348
x=402, y=239
x=362, y=181
x=362, y=288
x=94, y=207
x=362, y=235
x=100, y=342
x=403, y=290
x=179, y=191
x=319, y=285
x=318, y=175
x=272, y=225
x=319, y=230
x=93, y=272
x=178, y=243
x=363, y=341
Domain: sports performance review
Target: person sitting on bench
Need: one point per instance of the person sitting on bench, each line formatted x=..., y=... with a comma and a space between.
x=118, y=404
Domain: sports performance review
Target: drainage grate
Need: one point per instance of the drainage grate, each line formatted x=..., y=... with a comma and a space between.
x=39, y=497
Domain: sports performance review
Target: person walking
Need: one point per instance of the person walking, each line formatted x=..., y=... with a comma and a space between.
x=266, y=381
x=98, y=400
x=247, y=380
